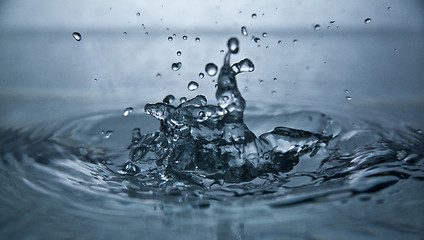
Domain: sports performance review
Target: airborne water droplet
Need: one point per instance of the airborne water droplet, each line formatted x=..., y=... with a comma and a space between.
x=316, y=27
x=201, y=75
x=192, y=85
x=280, y=42
x=108, y=134
x=179, y=53
x=77, y=36
x=184, y=37
x=254, y=15
x=233, y=45
x=169, y=99
x=367, y=20
x=264, y=34
x=127, y=111
x=138, y=14
x=124, y=33
x=295, y=41
x=197, y=39
x=183, y=99
x=275, y=79
x=348, y=98
x=244, y=65
x=170, y=39
x=244, y=31
x=211, y=69
x=256, y=40
x=176, y=66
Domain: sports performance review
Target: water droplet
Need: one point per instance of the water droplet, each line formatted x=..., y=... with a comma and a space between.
x=395, y=50
x=347, y=91
x=179, y=53
x=124, y=33
x=244, y=31
x=332, y=22
x=273, y=92
x=254, y=15
x=192, y=85
x=170, y=39
x=256, y=39
x=244, y=65
x=197, y=39
x=264, y=34
x=176, y=66
x=201, y=114
x=211, y=69
x=233, y=45
x=169, y=99
x=348, y=98
x=183, y=99
x=275, y=79
x=95, y=79
x=388, y=8
x=107, y=134
x=222, y=51
x=158, y=75
x=295, y=41
x=316, y=27
x=77, y=36
x=419, y=131
x=201, y=75
x=127, y=111
x=138, y=14
x=184, y=37
x=367, y=20
x=146, y=33
x=261, y=81
x=280, y=42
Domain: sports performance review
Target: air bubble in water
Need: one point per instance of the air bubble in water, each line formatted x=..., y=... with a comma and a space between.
x=179, y=53
x=211, y=69
x=169, y=99
x=127, y=111
x=77, y=36
x=176, y=66
x=201, y=75
x=192, y=85
x=184, y=37
x=197, y=39
x=244, y=31
x=254, y=15
x=367, y=20
x=317, y=26
x=170, y=39
x=244, y=65
x=233, y=45
x=264, y=34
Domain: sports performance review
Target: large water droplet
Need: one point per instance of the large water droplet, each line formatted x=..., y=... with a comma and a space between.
x=169, y=99
x=176, y=66
x=127, y=111
x=211, y=69
x=367, y=20
x=233, y=45
x=244, y=31
x=244, y=65
x=77, y=36
x=192, y=85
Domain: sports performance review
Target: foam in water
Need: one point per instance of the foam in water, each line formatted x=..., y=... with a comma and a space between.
x=213, y=140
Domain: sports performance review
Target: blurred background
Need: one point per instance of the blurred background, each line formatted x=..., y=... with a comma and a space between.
x=337, y=57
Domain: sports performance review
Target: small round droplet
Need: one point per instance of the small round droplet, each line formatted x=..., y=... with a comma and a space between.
x=179, y=53
x=295, y=41
x=280, y=42
x=244, y=31
x=192, y=85
x=275, y=79
x=77, y=36
x=138, y=14
x=388, y=8
x=183, y=99
x=316, y=27
x=146, y=33
x=127, y=111
x=184, y=37
x=176, y=66
x=347, y=91
x=221, y=51
x=95, y=79
x=124, y=33
x=273, y=92
x=254, y=15
x=201, y=75
x=211, y=69
x=197, y=39
x=367, y=20
x=348, y=98
x=158, y=75
x=169, y=99
x=170, y=39
x=233, y=45
x=261, y=81
x=256, y=40
x=264, y=34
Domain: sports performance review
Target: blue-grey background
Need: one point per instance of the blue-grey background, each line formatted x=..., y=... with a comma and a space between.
x=46, y=75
